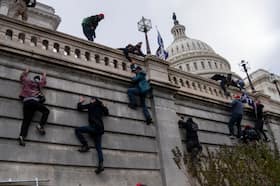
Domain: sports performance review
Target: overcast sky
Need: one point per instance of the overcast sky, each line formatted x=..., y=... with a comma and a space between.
x=235, y=29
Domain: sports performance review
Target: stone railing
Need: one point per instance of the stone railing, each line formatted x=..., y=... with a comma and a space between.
x=43, y=42
x=198, y=86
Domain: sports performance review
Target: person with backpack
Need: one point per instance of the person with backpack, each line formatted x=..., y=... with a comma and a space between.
x=236, y=116
x=90, y=24
x=260, y=120
x=249, y=134
x=140, y=88
x=192, y=141
x=33, y=99
x=20, y=8
x=96, y=111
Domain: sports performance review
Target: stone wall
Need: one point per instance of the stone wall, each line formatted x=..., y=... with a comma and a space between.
x=133, y=151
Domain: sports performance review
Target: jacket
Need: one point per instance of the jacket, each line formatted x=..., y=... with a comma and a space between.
x=92, y=21
x=237, y=107
x=31, y=88
x=96, y=111
x=140, y=81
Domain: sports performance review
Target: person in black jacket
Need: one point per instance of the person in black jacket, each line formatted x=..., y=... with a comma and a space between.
x=89, y=25
x=20, y=8
x=260, y=120
x=133, y=50
x=193, y=144
x=96, y=110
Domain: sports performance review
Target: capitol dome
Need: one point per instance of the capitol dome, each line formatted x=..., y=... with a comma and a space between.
x=195, y=56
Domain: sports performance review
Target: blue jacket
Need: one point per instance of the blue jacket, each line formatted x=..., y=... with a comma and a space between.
x=140, y=81
x=237, y=107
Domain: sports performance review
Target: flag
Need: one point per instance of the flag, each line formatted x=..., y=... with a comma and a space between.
x=161, y=53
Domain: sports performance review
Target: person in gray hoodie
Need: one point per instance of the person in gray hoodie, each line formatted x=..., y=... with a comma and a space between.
x=236, y=116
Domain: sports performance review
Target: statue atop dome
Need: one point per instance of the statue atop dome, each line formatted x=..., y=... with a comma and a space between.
x=174, y=17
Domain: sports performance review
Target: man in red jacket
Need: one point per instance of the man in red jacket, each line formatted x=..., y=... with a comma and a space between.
x=31, y=96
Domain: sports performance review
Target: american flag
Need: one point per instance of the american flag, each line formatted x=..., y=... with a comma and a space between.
x=161, y=53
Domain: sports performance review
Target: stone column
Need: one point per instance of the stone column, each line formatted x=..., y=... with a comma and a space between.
x=165, y=117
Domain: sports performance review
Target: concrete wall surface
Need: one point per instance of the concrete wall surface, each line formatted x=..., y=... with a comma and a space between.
x=133, y=151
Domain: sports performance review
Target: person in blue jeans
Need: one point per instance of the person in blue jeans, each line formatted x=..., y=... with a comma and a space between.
x=236, y=116
x=140, y=88
x=96, y=111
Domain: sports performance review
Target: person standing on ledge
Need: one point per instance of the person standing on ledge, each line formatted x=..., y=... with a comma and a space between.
x=140, y=88
x=20, y=8
x=96, y=110
x=90, y=24
x=33, y=99
x=260, y=120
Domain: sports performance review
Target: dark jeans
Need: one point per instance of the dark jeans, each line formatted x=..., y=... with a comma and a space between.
x=132, y=93
x=97, y=138
x=88, y=32
x=235, y=119
x=29, y=108
x=259, y=128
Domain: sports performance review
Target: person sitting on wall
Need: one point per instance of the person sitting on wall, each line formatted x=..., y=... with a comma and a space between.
x=140, y=88
x=33, y=99
x=236, y=116
x=249, y=134
x=133, y=50
x=193, y=145
x=20, y=8
x=96, y=111
x=90, y=24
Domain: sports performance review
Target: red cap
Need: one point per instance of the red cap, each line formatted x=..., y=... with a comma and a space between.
x=237, y=97
x=102, y=15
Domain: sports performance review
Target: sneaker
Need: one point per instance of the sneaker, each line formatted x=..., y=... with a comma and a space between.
x=21, y=141
x=99, y=170
x=41, y=130
x=231, y=136
x=149, y=121
x=84, y=148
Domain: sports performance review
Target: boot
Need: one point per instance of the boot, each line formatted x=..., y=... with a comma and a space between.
x=149, y=121
x=100, y=168
x=41, y=129
x=84, y=148
x=21, y=141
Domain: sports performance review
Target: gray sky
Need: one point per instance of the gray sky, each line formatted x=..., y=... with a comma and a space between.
x=235, y=29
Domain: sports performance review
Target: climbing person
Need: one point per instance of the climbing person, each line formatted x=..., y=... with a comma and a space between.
x=249, y=134
x=225, y=81
x=133, y=50
x=260, y=120
x=192, y=141
x=20, y=8
x=236, y=116
x=32, y=99
x=89, y=25
x=140, y=88
x=96, y=110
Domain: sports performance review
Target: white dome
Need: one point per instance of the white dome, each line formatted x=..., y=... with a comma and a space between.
x=195, y=56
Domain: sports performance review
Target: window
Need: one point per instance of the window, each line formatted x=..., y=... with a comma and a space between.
x=202, y=64
x=195, y=65
x=209, y=64
x=188, y=67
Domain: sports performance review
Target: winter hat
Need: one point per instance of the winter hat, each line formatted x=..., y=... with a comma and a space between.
x=237, y=97
x=102, y=15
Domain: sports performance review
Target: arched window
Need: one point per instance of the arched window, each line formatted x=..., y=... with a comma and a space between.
x=21, y=37
x=45, y=44
x=97, y=58
x=106, y=60
x=56, y=47
x=9, y=34
x=33, y=41
x=115, y=62
x=87, y=56
x=77, y=53
x=67, y=51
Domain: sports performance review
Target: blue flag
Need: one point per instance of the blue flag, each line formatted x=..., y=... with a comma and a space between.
x=161, y=53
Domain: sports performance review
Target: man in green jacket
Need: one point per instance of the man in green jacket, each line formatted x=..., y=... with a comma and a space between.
x=89, y=25
x=141, y=88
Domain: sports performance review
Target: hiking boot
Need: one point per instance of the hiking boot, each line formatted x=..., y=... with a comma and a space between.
x=149, y=121
x=21, y=141
x=41, y=130
x=99, y=169
x=84, y=148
